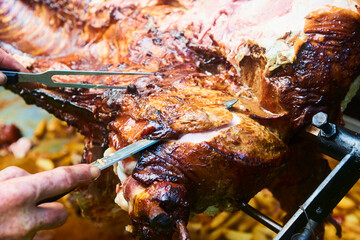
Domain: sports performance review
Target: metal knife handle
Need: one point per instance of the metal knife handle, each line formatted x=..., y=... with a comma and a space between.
x=11, y=77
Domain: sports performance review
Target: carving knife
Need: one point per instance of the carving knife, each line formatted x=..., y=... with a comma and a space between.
x=125, y=152
x=45, y=78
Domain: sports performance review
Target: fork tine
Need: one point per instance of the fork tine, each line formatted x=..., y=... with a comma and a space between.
x=83, y=85
x=76, y=72
x=52, y=73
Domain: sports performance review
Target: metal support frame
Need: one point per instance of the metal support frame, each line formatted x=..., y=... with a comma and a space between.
x=336, y=142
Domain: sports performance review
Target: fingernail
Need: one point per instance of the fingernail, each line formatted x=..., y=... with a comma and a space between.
x=95, y=172
x=2, y=79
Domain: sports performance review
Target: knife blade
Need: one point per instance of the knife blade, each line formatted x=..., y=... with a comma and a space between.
x=45, y=78
x=125, y=152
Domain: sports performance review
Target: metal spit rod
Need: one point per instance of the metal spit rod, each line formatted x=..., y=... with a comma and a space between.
x=261, y=218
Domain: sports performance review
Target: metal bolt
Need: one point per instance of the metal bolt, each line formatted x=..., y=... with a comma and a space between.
x=320, y=120
x=319, y=210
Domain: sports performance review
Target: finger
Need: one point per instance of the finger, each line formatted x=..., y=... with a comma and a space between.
x=8, y=62
x=12, y=172
x=59, y=180
x=2, y=79
x=50, y=215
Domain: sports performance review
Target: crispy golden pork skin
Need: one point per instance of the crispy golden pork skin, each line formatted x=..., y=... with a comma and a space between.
x=283, y=60
x=193, y=173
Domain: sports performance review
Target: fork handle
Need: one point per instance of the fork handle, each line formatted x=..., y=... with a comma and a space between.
x=54, y=198
x=11, y=77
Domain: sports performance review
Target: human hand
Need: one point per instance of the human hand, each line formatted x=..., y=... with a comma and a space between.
x=9, y=63
x=20, y=216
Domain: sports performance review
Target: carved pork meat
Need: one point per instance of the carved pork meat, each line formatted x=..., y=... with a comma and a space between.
x=283, y=60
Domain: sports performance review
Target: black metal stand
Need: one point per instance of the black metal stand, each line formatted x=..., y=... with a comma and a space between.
x=342, y=145
x=338, y=143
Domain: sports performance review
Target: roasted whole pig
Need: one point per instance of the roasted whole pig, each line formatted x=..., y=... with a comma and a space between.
x=284, y=60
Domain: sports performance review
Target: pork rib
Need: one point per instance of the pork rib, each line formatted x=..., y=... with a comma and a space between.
x=283, y=60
